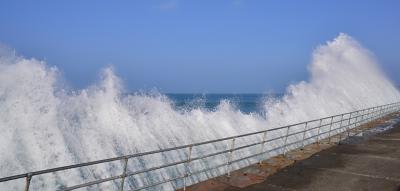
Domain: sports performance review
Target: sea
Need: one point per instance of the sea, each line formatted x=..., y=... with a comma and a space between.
x=246, y=103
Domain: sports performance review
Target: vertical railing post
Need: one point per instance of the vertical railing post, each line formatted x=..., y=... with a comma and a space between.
x=28, y=181
x=340, y=128
x=362, y=121
x=357, y=121
x=319, y=130
x=123, y=175
x=304, y=135
x=330, y=129
x=387, y=110
x=286, y=138
x=348, y=125
x=383, y=111
x=189, y=158
x=230, y=158
x=368, y=119
x=262, y=145
x=377, y=112
x=362, y=117
x=371, y=114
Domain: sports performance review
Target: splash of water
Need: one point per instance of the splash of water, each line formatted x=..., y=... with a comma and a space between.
x=344, y=77
x=44, y=125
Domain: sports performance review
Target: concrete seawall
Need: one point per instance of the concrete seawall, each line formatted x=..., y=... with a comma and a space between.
x=370, y=161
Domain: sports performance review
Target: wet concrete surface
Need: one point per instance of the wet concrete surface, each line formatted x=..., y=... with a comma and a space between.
x=369, y=164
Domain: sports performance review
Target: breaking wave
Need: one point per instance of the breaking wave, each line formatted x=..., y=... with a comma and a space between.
x=43, y=124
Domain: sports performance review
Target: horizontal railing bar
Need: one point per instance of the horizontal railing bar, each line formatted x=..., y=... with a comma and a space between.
x=14, y=177
x=244, y=158
x=156, y=168
x=63, y=168
x=158, y=183
x=206, y=169
x=295, y=133
x=210, y=155
x=292, y=143
x=87, y=184
x=226, y=151
x=311, y=137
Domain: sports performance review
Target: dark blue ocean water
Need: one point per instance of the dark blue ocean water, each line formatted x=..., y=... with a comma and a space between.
x=246, y=103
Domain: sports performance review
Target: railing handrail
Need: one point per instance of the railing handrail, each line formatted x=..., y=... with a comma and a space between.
x=67, y=167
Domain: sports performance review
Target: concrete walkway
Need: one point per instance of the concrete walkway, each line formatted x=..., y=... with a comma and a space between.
x=364, y=163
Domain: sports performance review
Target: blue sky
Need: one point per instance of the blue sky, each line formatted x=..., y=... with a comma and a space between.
x=236, y=46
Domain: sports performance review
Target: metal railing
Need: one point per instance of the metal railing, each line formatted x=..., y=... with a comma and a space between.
x=259, y=144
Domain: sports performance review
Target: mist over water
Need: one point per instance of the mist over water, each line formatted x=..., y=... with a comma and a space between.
x=45, y=125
